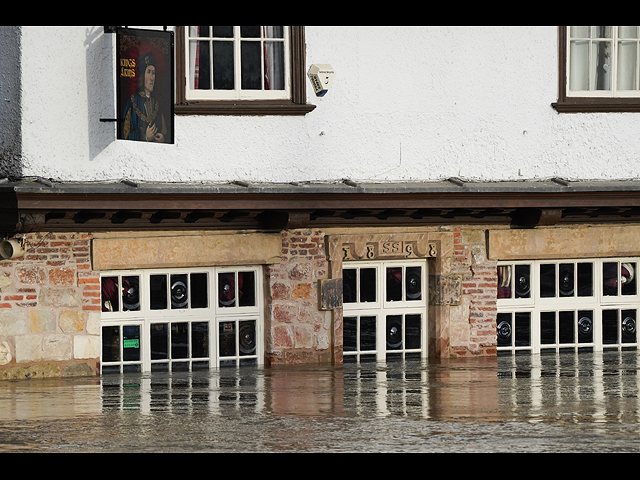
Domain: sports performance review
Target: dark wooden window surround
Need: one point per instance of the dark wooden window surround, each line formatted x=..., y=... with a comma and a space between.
x=297, y=105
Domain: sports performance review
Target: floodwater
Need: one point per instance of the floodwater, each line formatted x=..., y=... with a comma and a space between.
x=556, y=403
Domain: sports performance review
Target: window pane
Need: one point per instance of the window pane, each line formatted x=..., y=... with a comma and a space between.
x=601, y=65
x=548, y=280
x=368, y=285
x=629, y=326
x=200, y=340
x=504, y=330
x=110, y=295
x=227, y=342
x=579, y=66
x=223, y=66
x=350, y=334
x=251, y=59
x=179, y=292
x=247, y=289
x=566, y=280
x=523, y=330
x=250, y=32
x=394, y=284
x=585, y=279
x=628, y=32
x=179, y=340
x=273, y=32
x=227, y=290
x=523, y=281
x=414, y=283
x=580, y=32
x=199, y=290
x=548, y=328
x=394, y=332
x=223, y=32
x=504, y=281
x=585, y=327
x=610, y=327
x=349, y=285
x=158, y=293
x=130, y=294
x=610, y=279
x=200, y=65
x=110, y=344
x=274, y=65
x=368, y=333
x=131, y=343
x=627, y=65
x=628, y=278
x=413, y=327
x=159, y=341
x=247, y=332
x=567, y=327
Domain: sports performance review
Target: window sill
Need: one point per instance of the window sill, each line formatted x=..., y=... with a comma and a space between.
x=595, y=105
x=257, y=108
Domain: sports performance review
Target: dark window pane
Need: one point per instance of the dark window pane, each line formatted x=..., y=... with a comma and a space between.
x=179, y=291
x=247, y=289
x=585, y=279
x=227, y=290
x=203, y=31
x=610, y=279
x=628, y=278
x=367, y=333
x=368, y=285
x=227, y=339
x=200, y=340
x=523, y=281
x=223, y=32
x=251, y=60
x=585, y=327
x=394, y=284
x=414, y=283
x=566, y=279
x=548, y=281
x=110, y=344
x=130, y=294
x=522, y=330
x=610, y=324
x=413, y=330
x=629, y=326
x=247, y=339
x=223, y=66
x=250, y=32
x=505, y=330
x=199, y=290
x=504, y=281
x=159, y=341
x=394, y=332
x=548, y=328
x=131, y=343
x=350, y=334
x=179, y=340
x=202, y=75
x=349, y=285
x=158, y=292
x=567, y=327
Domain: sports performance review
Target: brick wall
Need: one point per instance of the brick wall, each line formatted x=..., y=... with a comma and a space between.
x=50, y=309
x=473, y=320
x=297, y=332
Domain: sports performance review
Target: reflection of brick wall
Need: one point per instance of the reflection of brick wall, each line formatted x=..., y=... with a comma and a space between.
x=473, y=321
x=297, y=331
x=50, y=309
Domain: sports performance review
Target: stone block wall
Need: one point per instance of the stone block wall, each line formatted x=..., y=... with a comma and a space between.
x=50, y=309
x=297, y=331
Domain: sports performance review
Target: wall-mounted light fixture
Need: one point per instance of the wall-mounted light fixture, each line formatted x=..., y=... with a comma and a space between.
x=12, y=248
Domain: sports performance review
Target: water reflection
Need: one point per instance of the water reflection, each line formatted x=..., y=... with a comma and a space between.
x=567, y=402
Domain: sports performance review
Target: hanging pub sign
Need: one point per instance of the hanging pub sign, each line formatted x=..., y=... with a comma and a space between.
x=145, y=85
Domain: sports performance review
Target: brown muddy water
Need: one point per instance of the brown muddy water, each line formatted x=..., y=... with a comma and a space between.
x=558, y=403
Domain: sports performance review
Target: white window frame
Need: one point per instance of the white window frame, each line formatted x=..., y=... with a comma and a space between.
x=382, y=308
x=598, y=303
x=613, y=91
x=214, y=315
x=238, y=93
